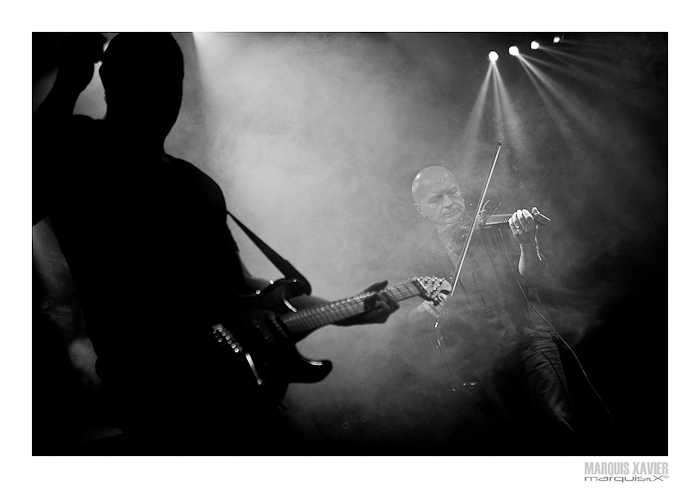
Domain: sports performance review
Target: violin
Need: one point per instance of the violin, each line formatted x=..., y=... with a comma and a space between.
x=493, y=221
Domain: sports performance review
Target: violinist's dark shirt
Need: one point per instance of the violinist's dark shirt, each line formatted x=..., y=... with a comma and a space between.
x=492, y=304
x=493, y=334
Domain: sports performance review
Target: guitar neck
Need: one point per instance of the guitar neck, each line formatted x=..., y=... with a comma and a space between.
x=309, y=319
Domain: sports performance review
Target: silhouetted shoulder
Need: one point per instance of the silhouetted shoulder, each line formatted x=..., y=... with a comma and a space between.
x=192, y=171
x=198, y=179
x=80, y=131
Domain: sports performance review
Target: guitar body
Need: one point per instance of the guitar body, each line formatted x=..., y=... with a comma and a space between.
x=262, y=342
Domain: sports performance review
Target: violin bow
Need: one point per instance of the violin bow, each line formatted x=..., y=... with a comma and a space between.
x=440, y=340
x=474, y=220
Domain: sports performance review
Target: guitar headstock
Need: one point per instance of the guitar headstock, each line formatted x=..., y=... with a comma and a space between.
x=433, y=289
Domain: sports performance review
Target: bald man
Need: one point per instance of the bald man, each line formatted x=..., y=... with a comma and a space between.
x=492, y=315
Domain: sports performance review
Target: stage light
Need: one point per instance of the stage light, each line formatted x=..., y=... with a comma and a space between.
x=534, y=45
x=558, y=39
x=513, y=50
x=493, y=56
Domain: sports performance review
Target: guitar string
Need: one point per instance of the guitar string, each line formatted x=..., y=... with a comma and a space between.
x=306, y=319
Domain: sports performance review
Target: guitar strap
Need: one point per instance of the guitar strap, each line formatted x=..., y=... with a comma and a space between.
x=280, y=263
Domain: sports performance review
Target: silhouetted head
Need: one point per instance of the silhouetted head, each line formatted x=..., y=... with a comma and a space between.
x=142, y=75
x=438, y=197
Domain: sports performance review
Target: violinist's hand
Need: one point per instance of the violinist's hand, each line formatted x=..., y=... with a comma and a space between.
x=522, y=225
x=378, y=307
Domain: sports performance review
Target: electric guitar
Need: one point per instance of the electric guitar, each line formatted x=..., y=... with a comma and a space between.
x=264, y=340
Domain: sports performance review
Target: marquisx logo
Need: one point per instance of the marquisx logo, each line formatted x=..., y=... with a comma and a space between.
x=625, y=471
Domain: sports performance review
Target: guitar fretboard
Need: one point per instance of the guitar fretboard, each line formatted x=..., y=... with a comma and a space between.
x=309, y=319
